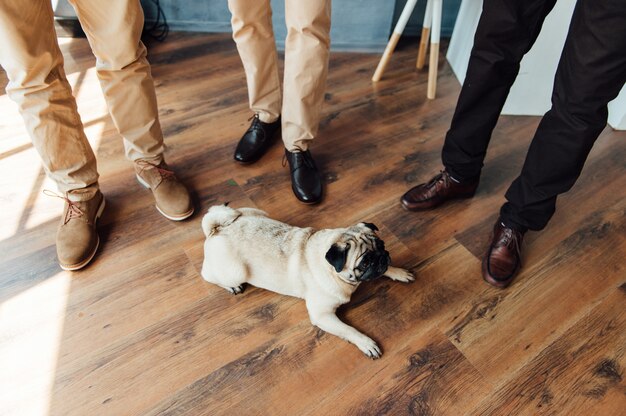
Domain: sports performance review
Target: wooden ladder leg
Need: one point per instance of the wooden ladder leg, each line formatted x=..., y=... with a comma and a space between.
x=434, y=50
x=393, y=41
x=428, y=18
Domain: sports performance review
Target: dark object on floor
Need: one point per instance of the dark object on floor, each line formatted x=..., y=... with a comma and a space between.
x=156, y=29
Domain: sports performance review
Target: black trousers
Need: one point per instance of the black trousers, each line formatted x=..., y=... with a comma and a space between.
x=591, y=72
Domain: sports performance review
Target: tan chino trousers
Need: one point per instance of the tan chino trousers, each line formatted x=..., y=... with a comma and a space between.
x=31, y=57
x=306, y=64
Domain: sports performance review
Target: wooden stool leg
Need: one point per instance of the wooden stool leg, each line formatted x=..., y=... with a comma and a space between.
x=428, y=18
x=384, y=60
x=434, y=50
x=393, y=41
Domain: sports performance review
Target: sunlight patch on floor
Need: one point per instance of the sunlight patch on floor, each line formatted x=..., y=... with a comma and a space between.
x=44, y=208
x=26, y=170
x=67, y=40
x=31, y=330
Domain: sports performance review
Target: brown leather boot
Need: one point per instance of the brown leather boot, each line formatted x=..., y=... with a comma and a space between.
x=503, y=259
x=171, y=196
x=435, y=192
x=77, y=238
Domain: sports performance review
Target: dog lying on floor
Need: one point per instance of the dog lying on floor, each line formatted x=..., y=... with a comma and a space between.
x=323, y=267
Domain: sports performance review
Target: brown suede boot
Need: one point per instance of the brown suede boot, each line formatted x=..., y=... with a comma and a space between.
x=171, y=196
x=77, y=237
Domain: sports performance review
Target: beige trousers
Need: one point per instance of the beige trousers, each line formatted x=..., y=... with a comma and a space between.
x=306, y=63
x=33, y=62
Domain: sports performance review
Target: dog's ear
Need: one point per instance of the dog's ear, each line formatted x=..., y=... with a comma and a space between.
x=371, y=226
x=337, y=256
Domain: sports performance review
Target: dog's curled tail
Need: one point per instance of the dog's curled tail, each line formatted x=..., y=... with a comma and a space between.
x=218, y=217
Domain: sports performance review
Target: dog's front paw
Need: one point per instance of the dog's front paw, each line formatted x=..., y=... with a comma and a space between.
x=236, y=290
x=400, y=275
x=369, y=348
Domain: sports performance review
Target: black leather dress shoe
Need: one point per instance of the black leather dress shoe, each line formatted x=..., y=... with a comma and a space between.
x=306, y=182
x=256, y=140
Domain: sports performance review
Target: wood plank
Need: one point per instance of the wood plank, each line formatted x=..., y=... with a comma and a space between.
x=139, y=332
x=563, y=288
x=581, y=373
x=308, y=371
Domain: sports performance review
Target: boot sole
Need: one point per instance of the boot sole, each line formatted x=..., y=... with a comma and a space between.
x=179, y=218
x=168, y=216
x=85, y=262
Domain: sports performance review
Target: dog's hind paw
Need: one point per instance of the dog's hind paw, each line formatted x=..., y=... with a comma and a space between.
x=370, y=348
x=236, y=290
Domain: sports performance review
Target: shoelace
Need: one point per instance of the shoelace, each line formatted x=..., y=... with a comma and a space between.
x=256, y=123
x=164, y=173
x=306, y=160
x=510, y=236
x=73, y=211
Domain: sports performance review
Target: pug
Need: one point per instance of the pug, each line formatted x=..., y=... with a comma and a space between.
x=323, y=267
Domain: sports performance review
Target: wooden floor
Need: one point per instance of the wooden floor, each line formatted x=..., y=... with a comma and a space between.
x=140, y=333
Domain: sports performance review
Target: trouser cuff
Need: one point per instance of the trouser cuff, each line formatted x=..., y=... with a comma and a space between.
x=459, y=177
x=82, y=194
x=299, y=146
x=155, y=160
x=511, y=221
x=266, y=117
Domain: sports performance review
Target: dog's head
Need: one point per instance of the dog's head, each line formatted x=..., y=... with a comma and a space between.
x=359, y=255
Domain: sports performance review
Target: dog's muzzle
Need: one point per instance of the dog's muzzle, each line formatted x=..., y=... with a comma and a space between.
x=373, y=265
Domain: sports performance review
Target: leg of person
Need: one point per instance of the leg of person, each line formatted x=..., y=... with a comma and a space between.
x=306, y=67
x=37, y=83
x=114, y=32
x=254, y=36
x=506, y=31
x=591, y=72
